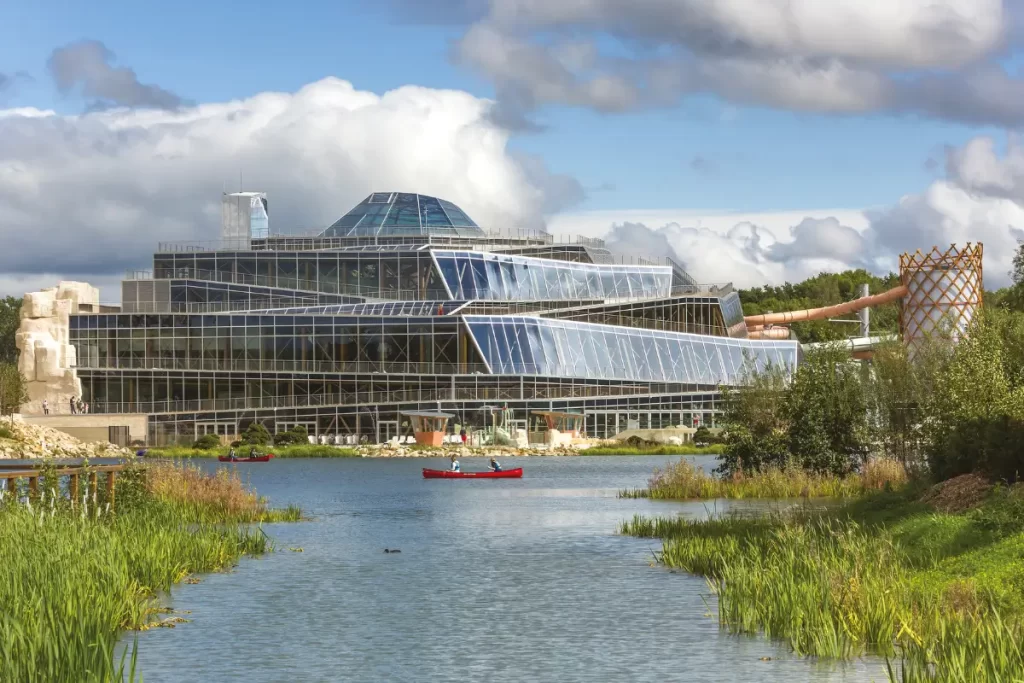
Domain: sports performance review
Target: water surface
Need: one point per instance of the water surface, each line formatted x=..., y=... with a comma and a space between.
x=498, y=580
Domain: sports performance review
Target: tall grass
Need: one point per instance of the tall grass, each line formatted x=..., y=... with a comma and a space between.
x=916, y=593
x=221, y=496
x=72, y=578
x=685, y=480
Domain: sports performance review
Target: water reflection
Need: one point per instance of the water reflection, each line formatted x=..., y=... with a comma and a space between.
x=503, y=580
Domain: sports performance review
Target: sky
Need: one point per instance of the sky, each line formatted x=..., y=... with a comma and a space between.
x=755, y=143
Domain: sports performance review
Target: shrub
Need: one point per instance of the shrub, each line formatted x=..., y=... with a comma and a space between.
x=5, y=432
x=295, y=435
x=206, y=442
x=256, y=435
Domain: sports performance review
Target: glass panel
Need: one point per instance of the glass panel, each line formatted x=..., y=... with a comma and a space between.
x=431, y=213
x=483, y=288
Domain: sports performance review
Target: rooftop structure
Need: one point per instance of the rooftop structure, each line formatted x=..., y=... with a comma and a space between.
x=406, y=306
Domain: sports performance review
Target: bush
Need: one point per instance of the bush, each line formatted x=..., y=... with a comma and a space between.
x=236, y=443
x=206, y=442
x=295, y=435
x=5, y=432
x=256, y=435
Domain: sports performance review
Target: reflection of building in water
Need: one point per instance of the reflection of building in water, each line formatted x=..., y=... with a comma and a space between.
x=404, y=306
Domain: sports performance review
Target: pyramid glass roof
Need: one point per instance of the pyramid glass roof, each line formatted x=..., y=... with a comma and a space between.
x=400, y=213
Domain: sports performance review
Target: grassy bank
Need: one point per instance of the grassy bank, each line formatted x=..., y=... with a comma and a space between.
x=684, y=480
x=297, y=451
x=940, y=593
x=660, y=449
x=72, y=580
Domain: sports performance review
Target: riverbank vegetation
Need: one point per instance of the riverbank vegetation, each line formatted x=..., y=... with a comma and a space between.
x=924, y=562
x=685, y=480
x=655, y=449
x=74, y=577
x=296, y=451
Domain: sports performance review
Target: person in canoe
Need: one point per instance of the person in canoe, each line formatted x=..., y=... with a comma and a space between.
x=455, y=464
x=231, y=454
x=252, y=452
x=494, y=466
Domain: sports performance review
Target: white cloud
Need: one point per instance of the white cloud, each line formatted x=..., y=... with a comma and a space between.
x=91, y=195
x=851, y=56
x=982, y=200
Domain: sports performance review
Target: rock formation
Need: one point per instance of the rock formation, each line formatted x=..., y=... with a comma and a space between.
x=47, y=358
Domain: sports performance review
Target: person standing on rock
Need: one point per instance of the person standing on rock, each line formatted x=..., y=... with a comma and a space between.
x=46, y=407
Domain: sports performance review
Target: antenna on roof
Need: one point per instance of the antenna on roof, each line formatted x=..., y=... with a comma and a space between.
x=240, y=186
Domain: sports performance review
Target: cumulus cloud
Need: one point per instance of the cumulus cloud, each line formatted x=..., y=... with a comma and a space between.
x=88, y=65
x=936, y=58
x=89, y=196
x=981, y=199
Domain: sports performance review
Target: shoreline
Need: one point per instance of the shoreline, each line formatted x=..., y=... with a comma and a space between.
x=410, y=451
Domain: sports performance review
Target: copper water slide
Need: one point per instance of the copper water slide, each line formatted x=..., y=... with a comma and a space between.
x=756, y=324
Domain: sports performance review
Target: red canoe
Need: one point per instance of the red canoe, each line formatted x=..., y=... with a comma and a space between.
x=517, y=473
x=258, y=458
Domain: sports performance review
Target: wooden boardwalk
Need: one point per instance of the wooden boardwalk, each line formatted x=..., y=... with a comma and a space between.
x=10, y=474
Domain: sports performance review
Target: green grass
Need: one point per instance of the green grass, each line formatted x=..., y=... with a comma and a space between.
x=940, y=595
x=660, y=449
x=297, y=451
x=684, y=480
x=72, y=580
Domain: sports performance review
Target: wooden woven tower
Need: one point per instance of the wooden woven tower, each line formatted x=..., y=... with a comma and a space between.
x=944, y=293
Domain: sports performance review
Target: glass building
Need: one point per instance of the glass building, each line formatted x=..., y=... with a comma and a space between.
x=406, y=304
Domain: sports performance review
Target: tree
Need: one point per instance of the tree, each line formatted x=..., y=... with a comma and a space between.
x=755, y=421
x=13, y=392
x=975, y=415
x=10, y=319
x=256, y=435
x=827, y=412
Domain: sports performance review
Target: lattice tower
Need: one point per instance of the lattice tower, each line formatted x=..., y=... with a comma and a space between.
x=944, y=292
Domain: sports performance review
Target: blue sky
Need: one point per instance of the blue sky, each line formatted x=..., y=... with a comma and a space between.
x=747, y=158
x=754, y=147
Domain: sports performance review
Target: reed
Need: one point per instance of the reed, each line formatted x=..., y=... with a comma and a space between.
x=74, y=577
x=221, y=496
x=685, y=480
x=936, y=594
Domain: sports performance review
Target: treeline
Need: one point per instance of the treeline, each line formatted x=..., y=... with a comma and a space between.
x=825, y=289
x=954, y=409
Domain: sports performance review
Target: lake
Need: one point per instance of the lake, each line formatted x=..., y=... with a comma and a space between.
x=498, y=580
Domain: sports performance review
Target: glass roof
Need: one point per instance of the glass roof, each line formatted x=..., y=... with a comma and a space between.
x=401, y=213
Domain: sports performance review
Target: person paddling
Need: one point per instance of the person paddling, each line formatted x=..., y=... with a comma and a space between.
x=455, y=464
x=494, y=466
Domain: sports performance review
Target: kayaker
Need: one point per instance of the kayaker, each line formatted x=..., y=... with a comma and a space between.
x=494, y=466
x=231, y=453
x=252, y=452
x=455, y=464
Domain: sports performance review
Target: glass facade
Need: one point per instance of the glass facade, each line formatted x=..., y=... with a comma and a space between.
x=565, y=348
x=472, y=275
x=406, y=304
x=401, y=213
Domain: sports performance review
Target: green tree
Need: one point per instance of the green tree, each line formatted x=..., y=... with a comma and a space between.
x=975, y=415
x=13, y=392
x=10, y=319
x=256, y=435
x=824, y=289
x=755, y=420
x=827, y=412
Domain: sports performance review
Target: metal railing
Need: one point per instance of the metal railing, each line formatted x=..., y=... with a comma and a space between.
x=377, y=292
x=511, y=392
x=311, y=241
x=273, y=365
